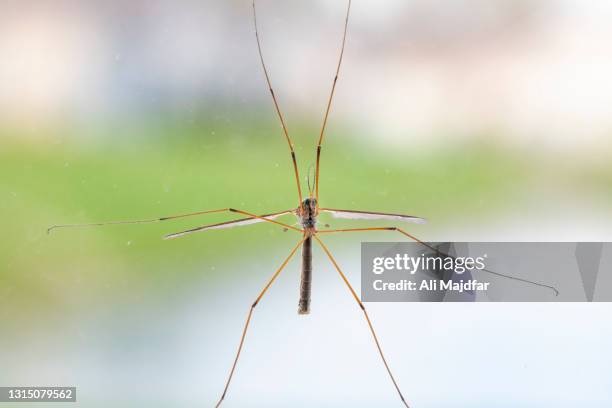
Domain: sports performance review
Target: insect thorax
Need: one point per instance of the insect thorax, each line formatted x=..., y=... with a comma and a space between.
x=308, y=213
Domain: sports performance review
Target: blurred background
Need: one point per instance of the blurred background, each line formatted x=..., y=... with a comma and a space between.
x=490, y=118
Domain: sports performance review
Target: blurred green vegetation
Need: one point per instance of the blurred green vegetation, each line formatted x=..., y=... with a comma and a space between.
x=173, y=166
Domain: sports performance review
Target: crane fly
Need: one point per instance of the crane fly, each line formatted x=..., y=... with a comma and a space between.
x=307, y=212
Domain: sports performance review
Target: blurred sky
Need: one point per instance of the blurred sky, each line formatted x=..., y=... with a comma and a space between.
x=534, y=72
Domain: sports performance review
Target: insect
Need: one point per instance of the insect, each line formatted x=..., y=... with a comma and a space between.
x=307, y=212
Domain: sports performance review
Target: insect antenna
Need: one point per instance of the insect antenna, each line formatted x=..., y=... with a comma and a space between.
x=310, y=180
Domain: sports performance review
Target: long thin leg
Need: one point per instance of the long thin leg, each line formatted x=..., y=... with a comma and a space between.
x=248, y=320
x=329, y=102
x=235, y=223
x=170, y=217
x=259, y=218
x=365, y=313
x=425, y=244
x=276, y=106
x=265, y=219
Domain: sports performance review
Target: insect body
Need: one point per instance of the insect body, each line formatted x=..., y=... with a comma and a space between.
x=308, y=213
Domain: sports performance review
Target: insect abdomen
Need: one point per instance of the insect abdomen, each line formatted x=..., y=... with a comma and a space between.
x=306, y=280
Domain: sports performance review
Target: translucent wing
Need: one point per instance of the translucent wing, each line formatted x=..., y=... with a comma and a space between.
x=371, y=215
x=229, y=224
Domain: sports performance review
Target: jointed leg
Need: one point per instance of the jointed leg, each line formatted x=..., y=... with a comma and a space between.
x=248, y=320
x=365, y=313
x=277, y=108
x=171, y=217
x=425, y=244
x=244, y=221
x=251, y=219
x=329, y=102
x=260, y=217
